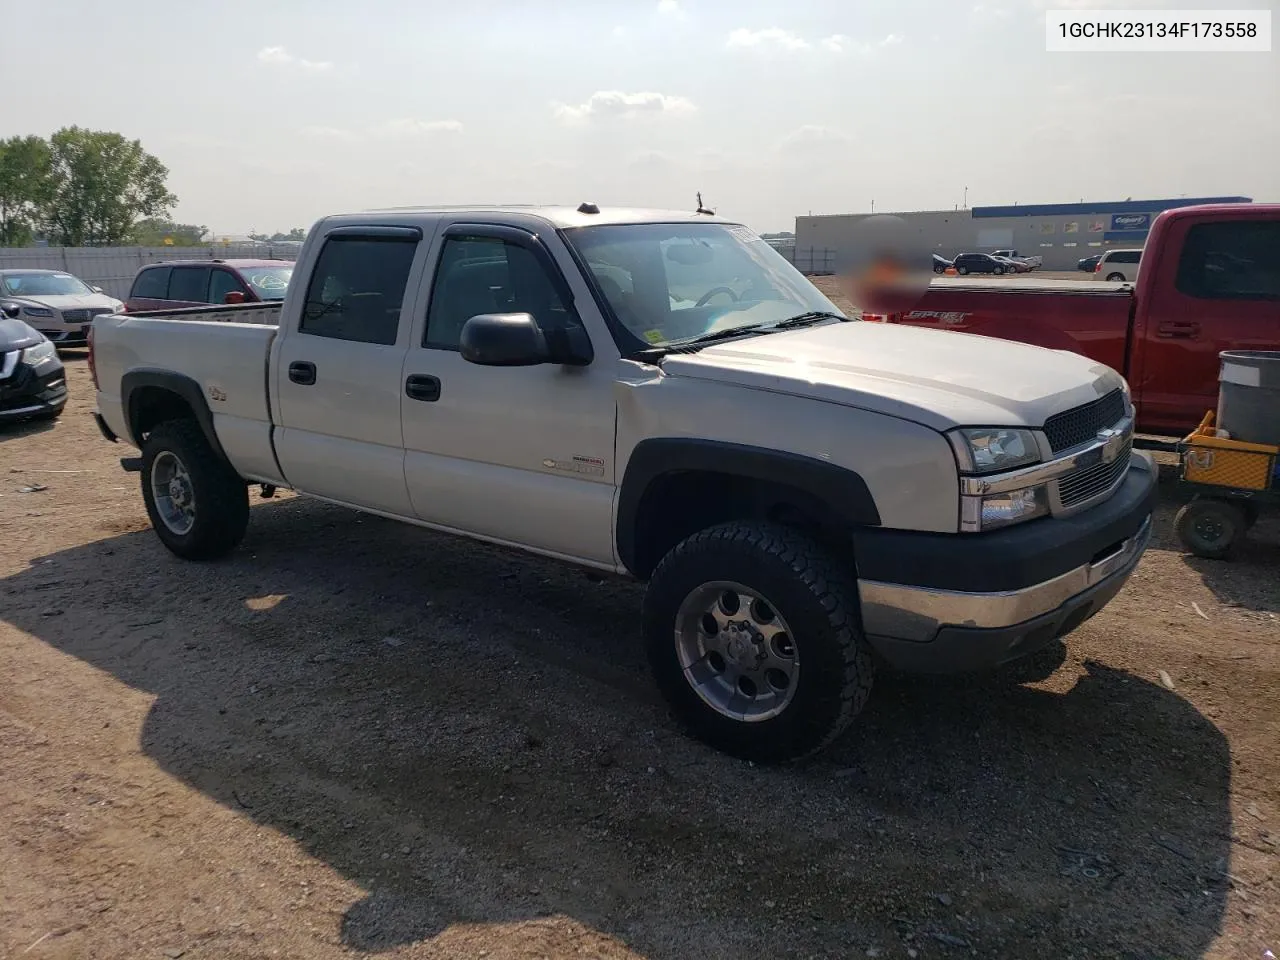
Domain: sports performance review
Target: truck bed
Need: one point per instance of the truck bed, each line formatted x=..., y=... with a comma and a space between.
x=1085, y=317
x=223, y=352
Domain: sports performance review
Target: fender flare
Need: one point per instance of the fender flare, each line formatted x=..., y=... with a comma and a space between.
x=176, y=383
x=842, y=490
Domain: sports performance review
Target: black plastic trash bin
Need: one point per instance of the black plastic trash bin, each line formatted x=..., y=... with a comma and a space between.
x=1249, y=395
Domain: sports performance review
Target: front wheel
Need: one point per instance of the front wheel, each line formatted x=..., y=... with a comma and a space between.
x=1211, y=528
x=754, y=638
x=198, y=506
x=998, y=270
x=963, y=271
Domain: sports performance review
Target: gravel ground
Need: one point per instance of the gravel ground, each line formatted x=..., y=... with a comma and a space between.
x=357, y=737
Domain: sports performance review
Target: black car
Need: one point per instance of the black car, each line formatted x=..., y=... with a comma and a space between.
x=1089, y=264
x=940, y=264
x=967, y=263
x=33, y=385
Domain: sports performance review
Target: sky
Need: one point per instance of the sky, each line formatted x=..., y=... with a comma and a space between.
x=270, y=114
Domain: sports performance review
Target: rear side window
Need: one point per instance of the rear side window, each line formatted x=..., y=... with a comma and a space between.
x=1125, y=256
x=151, y=284
x=357, y=288
x=189, y=283
x=1233, y=260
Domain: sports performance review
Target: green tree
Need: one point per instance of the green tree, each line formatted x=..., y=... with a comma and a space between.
x=24, y=188
x=158, y=232
x=100, y=185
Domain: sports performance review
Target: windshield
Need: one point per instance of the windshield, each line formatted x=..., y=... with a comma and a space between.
x=43, y=285
x=669, y=282
x=269, y=283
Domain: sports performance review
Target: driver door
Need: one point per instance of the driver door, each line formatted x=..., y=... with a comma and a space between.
x=521, y=455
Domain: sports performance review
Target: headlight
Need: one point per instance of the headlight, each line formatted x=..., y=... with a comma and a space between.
x=1001, y=509
x=37, y=312
x=993, y=449
x=41, y=353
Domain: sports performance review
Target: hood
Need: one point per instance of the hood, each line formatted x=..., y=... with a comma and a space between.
x=16, y=335
x=939, y=378
x=78, y=301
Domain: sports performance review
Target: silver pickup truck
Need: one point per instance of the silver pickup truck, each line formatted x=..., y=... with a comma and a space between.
x=660, y=396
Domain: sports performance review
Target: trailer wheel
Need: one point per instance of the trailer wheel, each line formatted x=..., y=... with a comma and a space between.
x=198, y=506
x=1211, y=528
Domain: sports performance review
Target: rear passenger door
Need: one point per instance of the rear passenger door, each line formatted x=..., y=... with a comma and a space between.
x=338, y=373
x=150, y=289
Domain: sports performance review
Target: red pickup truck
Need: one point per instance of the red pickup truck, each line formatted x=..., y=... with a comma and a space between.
x=1209, y=281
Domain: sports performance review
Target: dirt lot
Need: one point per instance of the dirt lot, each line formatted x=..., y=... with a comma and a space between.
x=356, y=737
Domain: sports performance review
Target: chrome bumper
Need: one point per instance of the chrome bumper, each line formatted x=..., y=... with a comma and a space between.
x=917, y=614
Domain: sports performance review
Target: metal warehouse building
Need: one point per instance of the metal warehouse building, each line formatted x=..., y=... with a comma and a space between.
x=1061, y=233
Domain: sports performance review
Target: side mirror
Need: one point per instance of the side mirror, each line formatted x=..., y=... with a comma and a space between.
x=503, y=340
x=234, y=296
x=10, y=310
x=97, y=290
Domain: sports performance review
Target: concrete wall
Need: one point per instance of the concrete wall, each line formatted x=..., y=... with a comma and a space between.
x=113, y=268
x=1060, y=233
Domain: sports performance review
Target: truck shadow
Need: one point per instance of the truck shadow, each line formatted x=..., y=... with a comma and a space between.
x=472, y=738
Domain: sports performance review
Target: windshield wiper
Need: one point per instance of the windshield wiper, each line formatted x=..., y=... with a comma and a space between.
x=693, y=343
x=806, y=319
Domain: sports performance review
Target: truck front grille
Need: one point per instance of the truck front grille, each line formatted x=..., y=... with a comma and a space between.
x=1092, y=481
x=1074, y=427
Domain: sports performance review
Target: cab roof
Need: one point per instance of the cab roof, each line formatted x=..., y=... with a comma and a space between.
x=560, y=217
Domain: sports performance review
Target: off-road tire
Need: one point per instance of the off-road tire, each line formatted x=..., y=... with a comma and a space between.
x=814, y=595
x=221, y=498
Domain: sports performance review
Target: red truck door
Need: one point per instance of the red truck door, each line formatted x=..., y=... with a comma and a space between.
x=1216, y=286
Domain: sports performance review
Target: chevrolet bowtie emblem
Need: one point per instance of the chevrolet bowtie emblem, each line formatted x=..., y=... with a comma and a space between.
x=1112, y=441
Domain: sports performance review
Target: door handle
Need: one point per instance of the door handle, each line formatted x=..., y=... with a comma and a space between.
x=303, y=372
x=421, y=386
x=1175, y=329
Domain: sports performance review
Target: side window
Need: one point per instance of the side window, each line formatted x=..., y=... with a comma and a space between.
x=222, y=282
x=1233, y=260
x=189, y=283
x=357, y=288
x=487, y=275
x=1131, y=256
x=151, y=284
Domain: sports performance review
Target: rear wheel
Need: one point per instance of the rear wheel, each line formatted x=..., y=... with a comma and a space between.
x=198, y=506
x=998, y=270
x=963, y=271
x=1211, y=528
x=1115, y=278
x=754, y=638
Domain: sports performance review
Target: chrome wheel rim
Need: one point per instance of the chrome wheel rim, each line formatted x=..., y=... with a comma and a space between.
x=172, y=492
x=736, y=651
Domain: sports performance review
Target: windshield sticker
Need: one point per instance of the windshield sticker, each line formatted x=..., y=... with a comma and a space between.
x=654, y=336
x=744, y=234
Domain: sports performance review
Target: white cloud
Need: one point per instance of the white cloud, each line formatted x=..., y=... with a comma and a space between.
x=770, y=37
x=835, y=43
x=892, y=40
x=605, y=104
x=671, y=8
x=813, y=137
x=279, y=56
x=329, y=133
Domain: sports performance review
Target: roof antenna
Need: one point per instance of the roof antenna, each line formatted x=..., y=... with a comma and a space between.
x=701, y=208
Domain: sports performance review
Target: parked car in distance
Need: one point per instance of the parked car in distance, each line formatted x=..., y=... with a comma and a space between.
x=1210, y=281
x=1013, y=265
x=54, y=302
x=33, y=385
x=1032, y=262
x=195, y=283
x=967, y=263
x=575, y=383
x=1087, y=264
x=1119, y=266
x=940, y=264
